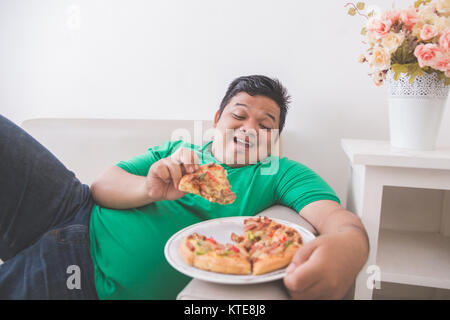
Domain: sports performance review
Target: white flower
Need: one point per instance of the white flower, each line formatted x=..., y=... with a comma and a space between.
x=371, y=38
x=427, y=14
x=392, y=41
x=442, y=24
x=443, y=7
x=380, y=59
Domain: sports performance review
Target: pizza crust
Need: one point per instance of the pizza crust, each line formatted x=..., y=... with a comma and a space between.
x=230, y=265
x=186, y=253
x=274, y=262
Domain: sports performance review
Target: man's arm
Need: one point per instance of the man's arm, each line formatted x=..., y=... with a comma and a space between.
x=327, y=266
x=329, y=217
x=118, y=189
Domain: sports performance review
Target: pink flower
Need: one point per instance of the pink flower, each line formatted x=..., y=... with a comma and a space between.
x=444, y=40
x=392, y=15
x=379, y=27
x=428, y=32
x=427, y=54
x=442, y=63
x=409, y=17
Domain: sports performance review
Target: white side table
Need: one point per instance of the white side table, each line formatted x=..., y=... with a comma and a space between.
x=407, y=257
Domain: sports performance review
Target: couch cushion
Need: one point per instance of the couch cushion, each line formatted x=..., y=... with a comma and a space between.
x=89, y=146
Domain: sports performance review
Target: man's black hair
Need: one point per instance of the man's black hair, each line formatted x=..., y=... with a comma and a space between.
x=259, y=85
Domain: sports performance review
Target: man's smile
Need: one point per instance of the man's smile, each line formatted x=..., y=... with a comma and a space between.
x=242, y=144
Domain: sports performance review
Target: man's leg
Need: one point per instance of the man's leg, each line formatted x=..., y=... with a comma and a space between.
x=37, y=192
x=57, y=266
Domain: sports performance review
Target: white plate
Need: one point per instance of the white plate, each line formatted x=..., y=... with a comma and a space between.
x=221, y=230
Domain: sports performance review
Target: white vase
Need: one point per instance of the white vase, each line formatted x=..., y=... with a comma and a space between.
x=415, y=110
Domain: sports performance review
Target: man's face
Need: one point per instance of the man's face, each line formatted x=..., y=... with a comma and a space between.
x=246, y=130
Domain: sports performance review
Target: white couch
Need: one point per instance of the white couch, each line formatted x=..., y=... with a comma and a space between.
x=89, y=146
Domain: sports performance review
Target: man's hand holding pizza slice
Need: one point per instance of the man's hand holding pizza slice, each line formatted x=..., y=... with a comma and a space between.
x=173, y=177
x=164, y=175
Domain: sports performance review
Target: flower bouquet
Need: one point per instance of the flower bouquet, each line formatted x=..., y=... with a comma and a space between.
x=413, y=41
x=410, y=50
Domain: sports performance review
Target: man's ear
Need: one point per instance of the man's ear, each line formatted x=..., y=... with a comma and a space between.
x=216, y=118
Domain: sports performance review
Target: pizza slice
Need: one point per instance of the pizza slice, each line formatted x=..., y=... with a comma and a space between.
x=209, y=182
x=276, y=251
x=271, y=245
x=206, y=254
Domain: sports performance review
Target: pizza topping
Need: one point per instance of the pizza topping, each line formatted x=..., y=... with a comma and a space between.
x=227, y=250
x=190, y=246
x=236, y=238
x=212, y=177
x=233, y=248
x=250, y=227
x=258, y=223
x=287, y=243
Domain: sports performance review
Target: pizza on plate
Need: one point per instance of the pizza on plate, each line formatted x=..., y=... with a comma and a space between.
x=209, y=182
x=205, y=253
x=264, y=246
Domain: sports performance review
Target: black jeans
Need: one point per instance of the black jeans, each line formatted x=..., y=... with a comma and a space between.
x=44, y=223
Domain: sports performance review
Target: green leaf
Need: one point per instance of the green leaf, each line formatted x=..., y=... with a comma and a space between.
x=404, y=54
x=364, y=31
x=412, y=77
x=413, y=71
x=447, y=81
x=360, y=5
x=371, y=13
x=417, y=3
x=400, y=68
x=420, y=72
x=351, y=11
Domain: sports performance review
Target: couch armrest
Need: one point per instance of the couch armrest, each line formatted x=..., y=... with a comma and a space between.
x=275, y=290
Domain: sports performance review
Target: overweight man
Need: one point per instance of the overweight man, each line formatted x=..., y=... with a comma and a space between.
x=115, y=231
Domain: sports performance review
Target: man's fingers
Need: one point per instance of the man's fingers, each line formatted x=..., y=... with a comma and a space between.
x=187, y=158
x=162, y=171
x=303, y=276
x=301, y=256
x=175, y=173
x=190, y=160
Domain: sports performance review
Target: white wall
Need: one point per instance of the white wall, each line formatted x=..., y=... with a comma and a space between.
x=173, y=59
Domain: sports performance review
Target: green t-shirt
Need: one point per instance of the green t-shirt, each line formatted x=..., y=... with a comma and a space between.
x=127, y=246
